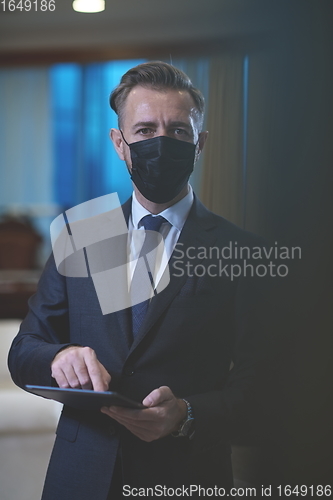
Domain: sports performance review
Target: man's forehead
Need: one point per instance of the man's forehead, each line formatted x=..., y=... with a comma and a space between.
x=159, y=97
x=147, y=101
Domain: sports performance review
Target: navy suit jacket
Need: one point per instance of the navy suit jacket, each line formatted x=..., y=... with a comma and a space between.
x=194, y=330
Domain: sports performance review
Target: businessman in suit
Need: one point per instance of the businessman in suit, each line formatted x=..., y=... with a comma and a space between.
x=173, y=352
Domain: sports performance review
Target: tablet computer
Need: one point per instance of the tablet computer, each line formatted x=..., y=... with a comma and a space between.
x=84, y=399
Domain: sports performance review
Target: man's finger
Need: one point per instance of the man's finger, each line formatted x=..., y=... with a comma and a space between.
x=142, y=418
x=81, y=373
x=97, y=373
x=138, y=427
x=158, y=396
x=60, y=378
x=119, y=418
x=125, y=413
x=71, y=376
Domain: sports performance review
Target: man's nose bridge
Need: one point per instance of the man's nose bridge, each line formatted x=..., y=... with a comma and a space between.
x=162, y=131
x=163, y=125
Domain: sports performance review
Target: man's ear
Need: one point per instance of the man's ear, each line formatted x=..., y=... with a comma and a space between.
x=201, y=142
x=118, y=142
x=202, y=139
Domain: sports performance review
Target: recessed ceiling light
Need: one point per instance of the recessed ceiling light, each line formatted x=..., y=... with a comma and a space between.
x=89, y=5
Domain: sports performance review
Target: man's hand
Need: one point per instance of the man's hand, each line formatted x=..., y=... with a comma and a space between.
x=164, y=415
x=78, y=368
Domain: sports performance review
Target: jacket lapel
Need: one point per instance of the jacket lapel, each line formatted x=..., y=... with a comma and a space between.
x=197, y=232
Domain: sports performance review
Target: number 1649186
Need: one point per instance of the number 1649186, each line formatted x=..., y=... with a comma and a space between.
x=28, y=5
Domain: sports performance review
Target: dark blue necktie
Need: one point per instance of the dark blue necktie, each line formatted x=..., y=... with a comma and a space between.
x=139, y=311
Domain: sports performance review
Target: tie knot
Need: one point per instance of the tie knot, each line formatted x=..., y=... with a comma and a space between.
x=152, y=223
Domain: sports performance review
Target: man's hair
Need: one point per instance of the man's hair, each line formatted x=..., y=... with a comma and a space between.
x=158, y=76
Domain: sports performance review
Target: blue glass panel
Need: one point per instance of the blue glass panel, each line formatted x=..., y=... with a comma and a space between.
x=65, y=105
x=86, y=164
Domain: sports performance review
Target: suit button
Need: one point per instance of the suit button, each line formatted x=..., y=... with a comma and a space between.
x=128, y=371
x=112, y=430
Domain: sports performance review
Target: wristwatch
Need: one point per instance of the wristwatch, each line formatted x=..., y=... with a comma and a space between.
x=186, y=428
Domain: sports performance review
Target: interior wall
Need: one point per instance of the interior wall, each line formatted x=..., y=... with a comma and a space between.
x=289, y=201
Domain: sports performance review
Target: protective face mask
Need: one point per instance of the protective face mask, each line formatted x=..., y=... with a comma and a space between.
x=161, y=167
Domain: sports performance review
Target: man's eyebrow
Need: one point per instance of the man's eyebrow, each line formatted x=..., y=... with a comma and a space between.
x=144, y=124
x=180, y=124
x=151, y=124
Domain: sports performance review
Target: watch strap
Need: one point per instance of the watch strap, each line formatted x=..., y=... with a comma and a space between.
x=186, y=426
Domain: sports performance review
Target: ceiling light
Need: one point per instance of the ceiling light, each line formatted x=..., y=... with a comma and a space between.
x=89, y=5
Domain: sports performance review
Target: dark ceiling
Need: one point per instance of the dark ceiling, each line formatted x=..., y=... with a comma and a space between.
x=127, y=22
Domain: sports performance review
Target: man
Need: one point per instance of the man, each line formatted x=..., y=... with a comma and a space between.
x=176, y=358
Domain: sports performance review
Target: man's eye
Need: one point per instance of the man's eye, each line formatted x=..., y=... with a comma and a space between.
x=180, y=131
x=144, y=131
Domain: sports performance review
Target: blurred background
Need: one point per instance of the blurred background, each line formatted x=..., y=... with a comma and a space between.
x=265, y=69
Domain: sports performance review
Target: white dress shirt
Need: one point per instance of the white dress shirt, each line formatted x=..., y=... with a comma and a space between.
x=175, y=216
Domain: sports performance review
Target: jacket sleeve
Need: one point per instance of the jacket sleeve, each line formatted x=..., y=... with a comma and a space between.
x=43, y=333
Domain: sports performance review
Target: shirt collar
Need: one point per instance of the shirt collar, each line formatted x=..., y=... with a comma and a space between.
x=176, y=215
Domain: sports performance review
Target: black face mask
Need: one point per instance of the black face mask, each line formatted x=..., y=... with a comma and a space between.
x=161, y=167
